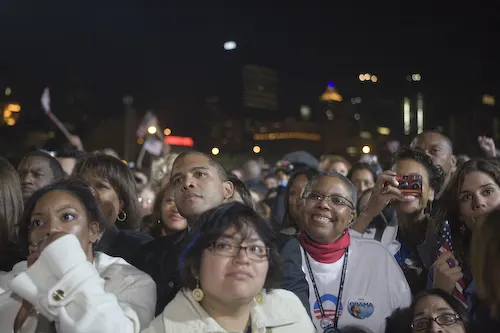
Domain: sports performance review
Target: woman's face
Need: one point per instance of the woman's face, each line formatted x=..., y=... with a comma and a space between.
x=171, y=218
x=363, y=180
x=61, y=211
x=234, y=279
x=296, y=191
x=479, y=195
x=431, y=307
x=339, y=167
x=108, y=197
x=146, y=199
x=414, y=203
x=328, y=209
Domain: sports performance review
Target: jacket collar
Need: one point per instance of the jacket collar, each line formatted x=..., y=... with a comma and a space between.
x=184, y=314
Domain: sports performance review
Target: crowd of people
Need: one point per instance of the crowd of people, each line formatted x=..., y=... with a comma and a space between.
x=89, y=244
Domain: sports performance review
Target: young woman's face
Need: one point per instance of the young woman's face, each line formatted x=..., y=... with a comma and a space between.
x=479, y=195
x=61, y=211
x=431, y=309
x=172, y=220
x=230, y=274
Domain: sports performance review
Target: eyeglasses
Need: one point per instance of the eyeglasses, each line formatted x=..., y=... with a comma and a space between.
x=227, y=249
x=442, y=320
x=336, y=200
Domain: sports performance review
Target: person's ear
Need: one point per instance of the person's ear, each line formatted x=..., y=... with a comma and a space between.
x=352, y=218
x=432, y=194
x=228, y=188
x=94, y=232
x=453, y=166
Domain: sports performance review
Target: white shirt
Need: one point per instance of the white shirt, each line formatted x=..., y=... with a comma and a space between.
x=389, y=237
x=374, y=287
x=77, y=295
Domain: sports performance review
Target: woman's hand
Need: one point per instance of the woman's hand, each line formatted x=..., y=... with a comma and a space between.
x=385, y=191
x=487, y=145
x=447, y=272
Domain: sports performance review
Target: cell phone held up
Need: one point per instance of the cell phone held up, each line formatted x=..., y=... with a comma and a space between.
x=409, y=184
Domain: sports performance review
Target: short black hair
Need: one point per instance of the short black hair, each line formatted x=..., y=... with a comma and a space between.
x=436, y=173
x=119, y=176
x=242, y=190
x=75, y=187
x=223, y=174
x=448, y=298
x=445, y=138
x=350, y=186
x=54, y=164
x=70, y=153
x=362, y=166
x=212, y=224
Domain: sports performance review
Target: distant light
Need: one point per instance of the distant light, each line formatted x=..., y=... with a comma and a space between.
x=7, y=114
x=358, y=100
x=367, y=77
x=152, y=129
x=361, y=77
x=140, y=141
x=406, y=116
x=215, y=151
x=383, y=130
x=167, y=131
x=305, y=112
x=229, y=45
x=351, y=150
x=366, y=149
x=408, y=77
x=330, y=85
x=416, y=77
x=8, y=91
x=124, y=162
x=365, y=135
x=374, y=78
x=178, y=141
x=357, y=116
x=329, y=114
x=489, y=100
x=14, y=107
x=10, y=121
x=256, y=149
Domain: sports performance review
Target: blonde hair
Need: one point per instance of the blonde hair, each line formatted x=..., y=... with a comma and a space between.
x=485, y=251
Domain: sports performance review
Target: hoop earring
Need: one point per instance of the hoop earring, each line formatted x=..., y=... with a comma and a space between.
x=121, y=217
x=259, y=298
x=197, y=292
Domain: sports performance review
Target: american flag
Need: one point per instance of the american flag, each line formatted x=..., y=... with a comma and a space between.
x=445, y=245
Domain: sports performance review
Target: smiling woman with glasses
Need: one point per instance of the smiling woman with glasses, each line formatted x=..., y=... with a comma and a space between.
x=437, y=311
x=353, y=283
x=229, y=270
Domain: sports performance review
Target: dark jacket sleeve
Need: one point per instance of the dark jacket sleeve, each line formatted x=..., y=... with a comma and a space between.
x=294, y=278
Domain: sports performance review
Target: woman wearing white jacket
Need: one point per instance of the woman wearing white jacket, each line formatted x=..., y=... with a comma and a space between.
x=65, y=286
x=228, y=270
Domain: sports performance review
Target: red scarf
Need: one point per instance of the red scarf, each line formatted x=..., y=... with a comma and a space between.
x=325, y=253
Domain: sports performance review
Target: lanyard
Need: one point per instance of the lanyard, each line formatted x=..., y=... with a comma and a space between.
x=325, y=321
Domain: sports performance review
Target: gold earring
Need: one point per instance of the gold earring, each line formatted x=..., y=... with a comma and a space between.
x=197, y=292
x=259, y=298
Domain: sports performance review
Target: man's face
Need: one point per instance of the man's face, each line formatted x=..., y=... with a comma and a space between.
x=34, y=173
x=198, y=186
x=438, y=149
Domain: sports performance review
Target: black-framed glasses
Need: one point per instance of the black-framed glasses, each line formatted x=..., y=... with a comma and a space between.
x=228, y=249
x=334, y=199
x=446, y=319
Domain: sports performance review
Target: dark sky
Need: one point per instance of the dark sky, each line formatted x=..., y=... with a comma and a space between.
x=165, y=52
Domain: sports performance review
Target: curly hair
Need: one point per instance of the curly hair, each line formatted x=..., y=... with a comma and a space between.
x=435, y=172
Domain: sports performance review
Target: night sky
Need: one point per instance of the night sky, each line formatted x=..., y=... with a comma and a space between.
x=166, y=53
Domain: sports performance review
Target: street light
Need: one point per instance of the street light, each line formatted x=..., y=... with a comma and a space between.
x=229, y=45
x=366, y=149
x=215, y=151
x=167, y=131
x=152, y=129
x=256, y=149
x=374, y=78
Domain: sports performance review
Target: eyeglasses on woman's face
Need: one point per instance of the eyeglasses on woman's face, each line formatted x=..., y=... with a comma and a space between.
x=226, y=248
x=332, y=200
x=446, y=319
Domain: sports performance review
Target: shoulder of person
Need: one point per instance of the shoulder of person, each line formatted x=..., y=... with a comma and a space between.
x=369, y=247
x=118, y=269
